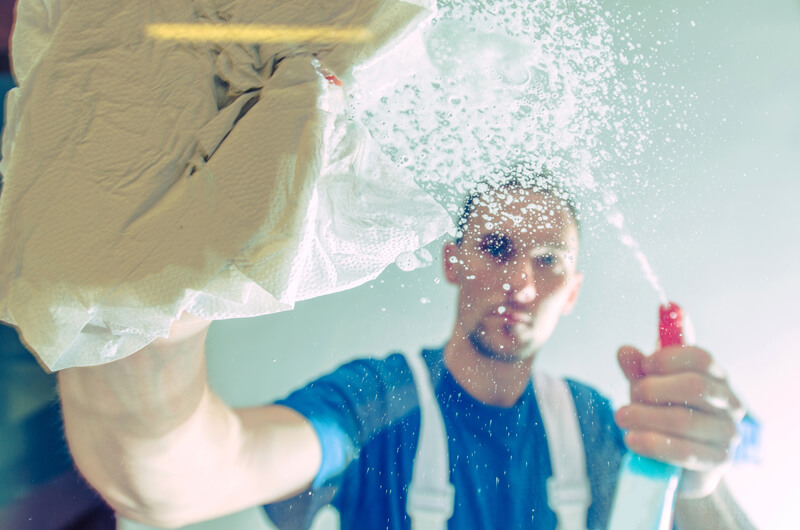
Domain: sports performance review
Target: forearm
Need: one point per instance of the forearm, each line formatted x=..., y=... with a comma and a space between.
x=147, y=432
x=145, y=394
x=718, y=511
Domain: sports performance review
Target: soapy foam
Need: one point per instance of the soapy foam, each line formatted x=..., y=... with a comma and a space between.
x=538, y=83
x=494, y=82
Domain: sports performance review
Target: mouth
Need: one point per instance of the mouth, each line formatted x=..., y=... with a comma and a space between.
x=510, y=316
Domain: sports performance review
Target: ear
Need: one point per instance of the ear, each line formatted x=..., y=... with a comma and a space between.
x=575, y=289
x=451, y=270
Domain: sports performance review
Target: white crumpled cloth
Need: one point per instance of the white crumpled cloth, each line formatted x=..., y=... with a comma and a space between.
x=146, y=177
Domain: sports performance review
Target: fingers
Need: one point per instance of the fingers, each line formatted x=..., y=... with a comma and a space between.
x=689, y=389
x=678, y=375
x=679, y=422
x=631, y=361
x=682, y=411
x=681, y=452
x=677, y=359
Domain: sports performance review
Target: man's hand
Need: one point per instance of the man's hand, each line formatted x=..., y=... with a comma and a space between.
x=682, y=411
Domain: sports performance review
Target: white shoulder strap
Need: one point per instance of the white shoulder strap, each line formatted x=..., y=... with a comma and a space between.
x=430, y=495
x=568, y=492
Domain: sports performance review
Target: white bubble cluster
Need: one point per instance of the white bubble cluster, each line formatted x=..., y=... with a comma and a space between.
x=567, y=86
x=409, y=261
x=496, y=81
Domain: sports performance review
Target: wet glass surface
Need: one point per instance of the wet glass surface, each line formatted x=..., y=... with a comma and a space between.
x=702, y=184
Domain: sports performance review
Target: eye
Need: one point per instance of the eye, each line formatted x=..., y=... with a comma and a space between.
x=546, y=261
x=498, y=246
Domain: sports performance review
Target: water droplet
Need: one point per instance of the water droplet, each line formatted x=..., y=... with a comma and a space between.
x=506, y=287
x=501, y=309
x=409, y=261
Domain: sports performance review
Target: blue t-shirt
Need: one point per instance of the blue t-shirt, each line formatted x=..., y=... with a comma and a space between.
x=367, y=416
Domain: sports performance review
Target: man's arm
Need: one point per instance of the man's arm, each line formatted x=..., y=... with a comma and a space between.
x=718, y=511
x=149, y=434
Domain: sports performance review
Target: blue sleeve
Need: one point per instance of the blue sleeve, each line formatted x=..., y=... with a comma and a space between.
x=351, y=405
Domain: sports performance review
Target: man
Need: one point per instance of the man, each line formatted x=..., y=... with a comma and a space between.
x=148, y=433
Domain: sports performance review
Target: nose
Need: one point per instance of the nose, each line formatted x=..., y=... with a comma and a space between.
x=520, y=286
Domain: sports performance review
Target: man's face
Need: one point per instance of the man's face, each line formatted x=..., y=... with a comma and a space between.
x=516, y=272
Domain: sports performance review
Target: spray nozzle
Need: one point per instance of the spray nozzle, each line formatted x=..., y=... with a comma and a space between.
x=674, y=326
x=670, y=325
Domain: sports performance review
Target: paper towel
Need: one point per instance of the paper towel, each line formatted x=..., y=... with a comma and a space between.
x=146, y=177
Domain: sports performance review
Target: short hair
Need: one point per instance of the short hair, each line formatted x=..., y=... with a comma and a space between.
x=520, y=176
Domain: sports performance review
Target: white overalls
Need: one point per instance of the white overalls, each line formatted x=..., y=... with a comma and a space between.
x=431, y=495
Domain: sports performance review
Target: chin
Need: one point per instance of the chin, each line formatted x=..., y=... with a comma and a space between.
x=506, y=351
